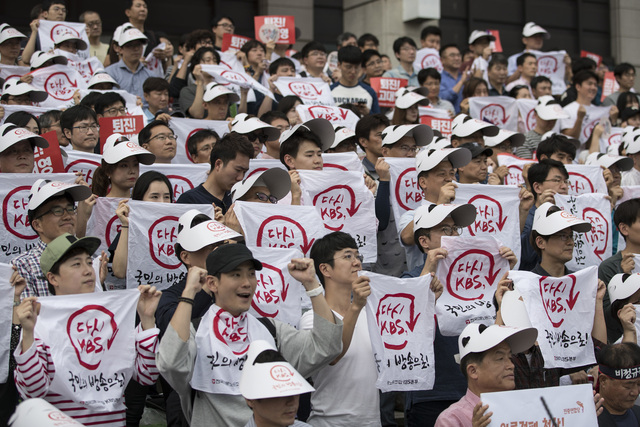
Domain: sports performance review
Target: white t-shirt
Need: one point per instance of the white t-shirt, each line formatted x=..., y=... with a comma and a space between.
x=572, y=111
x=346, y=393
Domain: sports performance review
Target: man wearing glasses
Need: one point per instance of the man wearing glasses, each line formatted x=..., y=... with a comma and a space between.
x=80, y=126
x=94, y=30
x=158, y=138
x=220, y=27
x=405, y=50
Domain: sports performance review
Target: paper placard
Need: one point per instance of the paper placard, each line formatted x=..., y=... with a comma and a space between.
x=597, y=58
x=442, y=125
x=48, y=29
x=386, y=88
x=184, y=128
x=586, y=179
x=79, y=161
x=406, y=195
x=60, y=82
x=438, y=113
x=401, y=328
x=551, y=64
x=342, y=161
x=48, y=160
x=312, y=91
x=280, y=29
x=496, y=45
x=336, y=115
x=6, y=310
x=629, y=192
x=428, y=58
x=562, y=310
x=609, y=86
x=235, y=79
x=86, y=67
x=469, y=274
x=515, y=165
x=182, y=177
x=129, y=126
x=526, y=109
x=593, y=116
x=233, y=42
x=498, y=110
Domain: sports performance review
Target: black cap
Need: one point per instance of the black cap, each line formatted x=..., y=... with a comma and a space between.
x=477, y=149
x=229, y=256
x=629, y=112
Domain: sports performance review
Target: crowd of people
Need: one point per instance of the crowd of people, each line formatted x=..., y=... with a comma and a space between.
x=320, y=370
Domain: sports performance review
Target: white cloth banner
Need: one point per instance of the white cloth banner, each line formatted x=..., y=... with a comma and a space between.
x=182, y=177
x=261, y=165
x=595, y=246
x=60, y=82
x=280, y=226
x=469, y=276
x=312, y=91
x=230, y=61
x=527, y=113
x=497, y=212
x=570, y=405
x=86, y=67
x=6, y=308
x=401, y=328
x=406, y=195
x=10, y=109
x=236, y=79
x=637, y=307
x=498, y=110
x=79, y=161
x=184, y=128
x=131, y=101
x=336, y=115
x=551, y=64
x=12, y=71
x=613, y=137
x=428, y=58
x=562, y=310
x=342, y=161
x=586, y=179
x=153, y=64
x=591, y=119
x=629, y=192
x=48, y=29
x=344, y=204
x=153, y=230
x=91, y=338
x=515, y=165
x=438, y=113
x=16, y=234
x=278, y=295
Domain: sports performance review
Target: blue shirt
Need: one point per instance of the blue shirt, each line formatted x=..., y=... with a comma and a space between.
x=400, y=73
x=131, y=82
x=446, y=89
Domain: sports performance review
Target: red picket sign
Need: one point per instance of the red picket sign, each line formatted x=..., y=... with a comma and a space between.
x=386, y=88
x=233, y=41
x=496, y=46
x=586, y=54
x=280, y=29
x=443, y=125
x=48, y=160
x=128, y=126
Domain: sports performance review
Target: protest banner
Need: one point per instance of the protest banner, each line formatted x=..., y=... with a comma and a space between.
x=129, y=126
x=386, y=88
x=336, y=115
x=86, y=163
x=401, y=328
x=10, y=109
x=261, y=165
x=428, y=58
x=153, y=230
x=609, y=86
x=585, y=179
x=48, y=160
x=6, y=311
x=595, y=246
x=406, y=195
x=153, y=63
x=526, y=110
x=278, y=294
x=280, y=226
x=501, y=111
x=611, y=136
x=470, y=278
x=597, y=58
x=342, y=161
x=497, y=212
x=17, y=236
x=515, y=165
x=86, y=67
x=233, y=42
x=91, y=339
x=280, y=29
x=235, y=79
x=495, y=45
x=185, y=128
x=312, y=91
x=60, y=82
x=591, y=119
x=8, y=72
x=438, y=113
x=344, y=204
x=182, y=177
x=551, y=64
x=442, y=125
x=570, y=405
x=48, y=29
x=562, y=310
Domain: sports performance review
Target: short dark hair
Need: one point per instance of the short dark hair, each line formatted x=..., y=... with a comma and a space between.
x=145, y=180
x=270, y=116
x=287, y=103
x=401, y=41
x=344, y=37
x=196, y=36
x=350, y=55
x=622, y=68
x=556, y=143
x=46, y=4
x=498, y=59
x=252, y=44
x=35, y=11
x=199, y=136
x=471, y=86
x=366, y=124
x=55, y=268
x=311, y=46
x=106, y=100
x=325, y=248
x=155, y=83
x=539, y=79
x=627, y=212
x=538, y=172
x=620, y=356
x=582, y=76
x=367, y=55
x=50, y=117
x=76, y=114
x=367, y=37
x=280, y=62
x=427, y=31
x=91, y=99
x=22, y=119
x=584, y=63
x=197, y=56
x=145, y=134
x=292, y=144
x=86, y=12
x=475, y=358
x=517, y=88
x=229, y=147
x=217, y=19
x=520, y=60
x=448, y=46
x=428, y=72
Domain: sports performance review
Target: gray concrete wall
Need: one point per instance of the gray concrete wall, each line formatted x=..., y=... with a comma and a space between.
x=625, y=33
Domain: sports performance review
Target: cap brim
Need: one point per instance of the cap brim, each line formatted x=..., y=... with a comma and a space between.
x=90, y=244
x=324, y=130
x=422, y=134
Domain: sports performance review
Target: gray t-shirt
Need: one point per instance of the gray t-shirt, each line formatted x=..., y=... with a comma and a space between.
x=531, y=141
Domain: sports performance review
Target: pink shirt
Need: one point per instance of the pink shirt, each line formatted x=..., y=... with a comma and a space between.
x=460, y=413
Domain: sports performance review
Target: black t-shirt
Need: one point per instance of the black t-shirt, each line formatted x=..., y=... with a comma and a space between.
x=200, y=195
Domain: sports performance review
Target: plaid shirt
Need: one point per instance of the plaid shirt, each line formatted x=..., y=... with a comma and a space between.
x=533, y=375
x=28, y=265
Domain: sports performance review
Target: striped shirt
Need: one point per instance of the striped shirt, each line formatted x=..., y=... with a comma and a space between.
x=28, y=265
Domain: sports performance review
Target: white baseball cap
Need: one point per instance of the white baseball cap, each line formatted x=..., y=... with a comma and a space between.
x=422, y=134
x=119, y=30
x=429, y=216
x=478, y=338
x=131, y=34
x=549, y=109
x=342, y=134
x=68, y=36
x=546, y=223
x=7, y=32
x=513, y=311
x=321, y=127
x=429, y=159
x=43, y=190
x=15, y=87
x=214, y=90
x=39, y=58
x=517, y=138
x=270, y=379
x=101, y=76
x=206, y=233
x=118, y=147
x=11, y=134
x=477, y=34
x=607, y=160
x=405, y=98
x=463, y=125
x=531, y=29
x=622, y=286
x=244, y=124
x=277, y=180
x=614, y=149
x=438, y=142
x=631, y=139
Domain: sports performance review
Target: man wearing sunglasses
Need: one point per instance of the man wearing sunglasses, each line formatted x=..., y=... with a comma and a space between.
x=257, y=131
x=158, y=138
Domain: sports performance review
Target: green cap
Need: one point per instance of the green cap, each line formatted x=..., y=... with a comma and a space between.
x=62, y=244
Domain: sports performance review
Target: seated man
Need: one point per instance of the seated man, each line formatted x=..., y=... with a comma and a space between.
x=547, y=113
x=348, y=90
x=156, y=96
x=465, y=129
x=159, y=138
x=200, y=145
x=619, y=384
x=477, y=170
x=558, y=147
x=110, y=104
x=16, y=149
x=80, y=127
x=257, y=131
